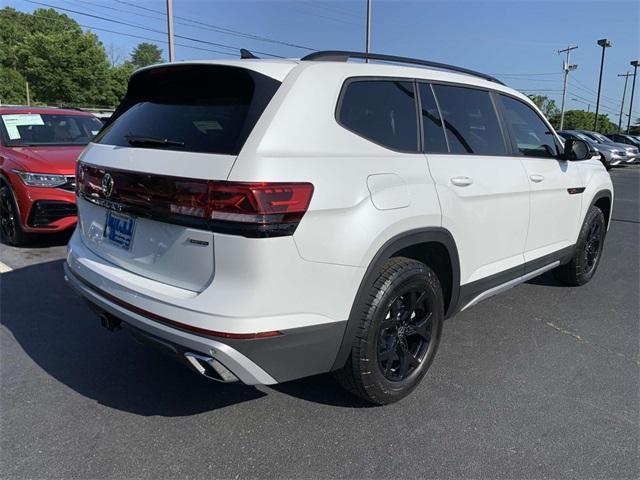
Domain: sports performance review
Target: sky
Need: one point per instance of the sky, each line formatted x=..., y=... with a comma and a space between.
x=515, y=40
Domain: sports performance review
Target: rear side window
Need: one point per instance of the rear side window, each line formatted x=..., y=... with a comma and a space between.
x=195, y=108
x=532, y=136
x=433, y=132
x=383, y=111
x=470, y=120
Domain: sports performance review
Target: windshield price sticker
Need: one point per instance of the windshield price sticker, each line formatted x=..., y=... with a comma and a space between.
x=12, y=122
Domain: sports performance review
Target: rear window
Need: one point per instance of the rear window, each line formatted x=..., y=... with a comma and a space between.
x=194, y=108
x=383, y=111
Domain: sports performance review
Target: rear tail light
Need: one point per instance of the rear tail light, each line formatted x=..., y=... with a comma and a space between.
x=265, y=209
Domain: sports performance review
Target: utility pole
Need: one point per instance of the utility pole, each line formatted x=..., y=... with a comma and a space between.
x=566, y=67
x=604, y=43
x=624, y=92
x=634, y=64
x=170, y=29
x=586, y=103
x=368, y=40
x=26, y=84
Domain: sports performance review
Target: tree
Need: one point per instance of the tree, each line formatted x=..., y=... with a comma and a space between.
x=62, y=64
x=146, y=54
x=12, y=86
x=545, y=104
x=118, y=80
x=581, y=120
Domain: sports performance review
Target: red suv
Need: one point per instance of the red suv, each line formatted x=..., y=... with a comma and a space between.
x=38, y=151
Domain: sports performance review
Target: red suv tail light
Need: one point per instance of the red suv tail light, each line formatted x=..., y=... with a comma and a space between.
x=266, y=209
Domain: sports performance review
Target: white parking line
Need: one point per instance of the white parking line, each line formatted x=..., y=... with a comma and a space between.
x=4, y=268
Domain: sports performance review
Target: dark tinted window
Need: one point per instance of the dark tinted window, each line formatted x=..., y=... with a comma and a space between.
x=199, y=108
x=434, y=140
x=470, y=121
x=48, y=129
x=383, y=111
x=532, y=136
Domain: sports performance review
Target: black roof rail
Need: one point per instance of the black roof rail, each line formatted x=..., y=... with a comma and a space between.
x=343, y=56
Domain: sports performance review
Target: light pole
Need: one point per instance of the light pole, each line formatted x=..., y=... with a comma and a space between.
x=624, y=93
x=604, y=43
x=368, y=40
x=634, y=64
x=170, y=29
x=566, y=67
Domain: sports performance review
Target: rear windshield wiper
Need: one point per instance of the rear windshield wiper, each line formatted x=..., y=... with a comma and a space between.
x=138, y=140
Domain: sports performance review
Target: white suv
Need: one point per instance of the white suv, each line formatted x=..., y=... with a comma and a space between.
x=267, y=220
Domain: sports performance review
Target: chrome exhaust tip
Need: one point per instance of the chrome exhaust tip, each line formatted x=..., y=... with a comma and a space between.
x=210, y=367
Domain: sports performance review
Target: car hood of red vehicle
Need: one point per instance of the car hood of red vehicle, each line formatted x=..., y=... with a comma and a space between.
x=60, y=159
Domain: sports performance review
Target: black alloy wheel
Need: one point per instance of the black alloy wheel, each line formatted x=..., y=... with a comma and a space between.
x=404, y=336
x=592, y=247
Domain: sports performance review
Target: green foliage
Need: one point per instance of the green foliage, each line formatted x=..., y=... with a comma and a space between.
x=146, y=54
x=12, y=86
x=118, y=78
x=581, y=120
x=545, y=104
x=63, y=64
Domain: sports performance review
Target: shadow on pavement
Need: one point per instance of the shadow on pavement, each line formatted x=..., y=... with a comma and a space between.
x=546, y=280
x=49, y=240
x=63, y=337
x=60, y=333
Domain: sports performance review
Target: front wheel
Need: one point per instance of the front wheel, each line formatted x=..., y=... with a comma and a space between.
x=11, y=231
x=398, y=335
x=605, y=162
x=588, y=251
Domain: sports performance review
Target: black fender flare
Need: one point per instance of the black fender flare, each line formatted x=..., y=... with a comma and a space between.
x=406, y=239
x=602, y=194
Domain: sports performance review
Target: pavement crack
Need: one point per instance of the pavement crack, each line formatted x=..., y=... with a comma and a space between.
x=579, y=339
x=566, y=332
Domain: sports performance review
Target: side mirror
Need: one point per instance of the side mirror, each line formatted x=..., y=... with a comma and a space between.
x=576, y=149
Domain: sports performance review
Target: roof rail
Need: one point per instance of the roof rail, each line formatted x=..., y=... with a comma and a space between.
x=343, y=56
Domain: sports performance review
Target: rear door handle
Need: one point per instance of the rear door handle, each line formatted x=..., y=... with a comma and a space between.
x=462, y=181
x=536, y=178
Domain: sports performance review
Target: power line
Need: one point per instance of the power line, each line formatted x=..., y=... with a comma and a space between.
x=525, y=74
x=140, y=37
x=219, y=29
x=191, y=39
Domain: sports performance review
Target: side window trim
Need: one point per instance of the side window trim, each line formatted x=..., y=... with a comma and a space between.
x=348, y=81
x=423, y=145
x=510, y=139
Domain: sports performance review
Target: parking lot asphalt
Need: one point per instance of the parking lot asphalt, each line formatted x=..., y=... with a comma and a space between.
x=540, y=382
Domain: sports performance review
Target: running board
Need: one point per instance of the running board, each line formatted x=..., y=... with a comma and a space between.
x=510, y=284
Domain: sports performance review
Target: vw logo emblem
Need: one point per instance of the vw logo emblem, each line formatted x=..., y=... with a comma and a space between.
x=107, y=185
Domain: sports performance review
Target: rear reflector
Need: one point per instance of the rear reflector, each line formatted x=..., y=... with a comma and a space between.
x=264, y=209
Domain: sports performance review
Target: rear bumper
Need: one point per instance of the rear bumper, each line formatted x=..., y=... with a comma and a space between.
x=295, y=353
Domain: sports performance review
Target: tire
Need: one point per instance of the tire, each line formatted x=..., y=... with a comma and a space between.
x=605, y=162
x=398, y=335
x=588, y=251
x=11, y=232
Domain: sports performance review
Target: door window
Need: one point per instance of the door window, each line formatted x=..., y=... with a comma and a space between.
x=470, y=120
x=532, y=136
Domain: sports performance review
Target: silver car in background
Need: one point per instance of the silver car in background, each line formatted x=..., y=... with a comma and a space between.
x=610, y=155
x=633, y=154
